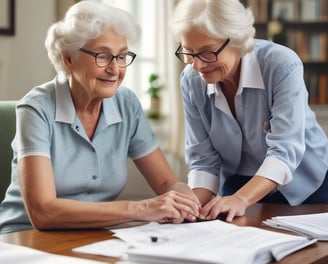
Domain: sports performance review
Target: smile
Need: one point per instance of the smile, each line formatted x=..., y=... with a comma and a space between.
x=107, y=81
x=207, y=72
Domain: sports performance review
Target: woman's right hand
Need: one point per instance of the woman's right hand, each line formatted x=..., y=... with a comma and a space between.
x=171, y=207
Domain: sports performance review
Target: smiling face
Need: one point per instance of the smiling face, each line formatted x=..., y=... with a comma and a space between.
x=195, y=41
x=89, y=81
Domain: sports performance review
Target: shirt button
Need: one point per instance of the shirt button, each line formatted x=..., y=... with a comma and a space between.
x=94, y=177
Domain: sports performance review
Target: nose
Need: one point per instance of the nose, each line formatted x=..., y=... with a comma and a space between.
x=113, y=66
x=198, y=64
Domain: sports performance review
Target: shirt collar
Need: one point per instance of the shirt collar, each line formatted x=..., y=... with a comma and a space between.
x=65, y=111
x=250, y=75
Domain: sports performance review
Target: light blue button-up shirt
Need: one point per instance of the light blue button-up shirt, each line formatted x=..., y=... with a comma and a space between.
x=275, y=133
x=84, y=169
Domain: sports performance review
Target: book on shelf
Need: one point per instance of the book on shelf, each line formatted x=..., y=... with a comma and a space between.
x=323, y=86
x=207, y=242
x=285, y=10
x=300, y=10
x=317, y=85
x=310, y=46
x=311, y=80
x=309, y=225
x=302, y=26
x=313, y=10
x=259, y=9
x=289, y=10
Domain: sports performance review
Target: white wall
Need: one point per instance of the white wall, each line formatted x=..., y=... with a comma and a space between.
x=23, y=58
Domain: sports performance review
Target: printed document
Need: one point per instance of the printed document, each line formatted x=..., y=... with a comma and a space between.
x=210, y=242
x=310, y=225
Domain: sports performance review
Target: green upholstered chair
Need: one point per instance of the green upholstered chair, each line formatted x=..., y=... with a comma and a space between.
x=7, y=132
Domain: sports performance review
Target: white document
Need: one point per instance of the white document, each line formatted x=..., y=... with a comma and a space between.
x=207, y=242
x=310, y=225
x=115, y=248
x=14, y=254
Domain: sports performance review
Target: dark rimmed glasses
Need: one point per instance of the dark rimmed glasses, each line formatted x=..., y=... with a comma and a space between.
x=206, y=56
x=103, y=59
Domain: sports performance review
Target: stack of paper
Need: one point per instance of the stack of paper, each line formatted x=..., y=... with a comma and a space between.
x=309, y=225
x=207, y=242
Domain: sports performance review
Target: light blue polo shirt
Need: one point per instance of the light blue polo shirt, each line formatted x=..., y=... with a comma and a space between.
x=84, y=169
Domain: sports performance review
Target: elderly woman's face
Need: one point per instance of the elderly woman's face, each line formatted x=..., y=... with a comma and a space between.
x=91, y=80
x=196, y=41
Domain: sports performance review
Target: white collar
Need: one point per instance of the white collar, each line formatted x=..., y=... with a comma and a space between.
x=250, y=76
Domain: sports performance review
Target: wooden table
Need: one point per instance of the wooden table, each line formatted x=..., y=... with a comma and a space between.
x=62, y=242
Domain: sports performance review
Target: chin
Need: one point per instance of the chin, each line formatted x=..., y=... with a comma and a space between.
x=214, y=77
x=107, y=92
x=210, y=80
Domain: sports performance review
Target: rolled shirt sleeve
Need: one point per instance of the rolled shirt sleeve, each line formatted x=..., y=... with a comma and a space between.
x=203, y=179
x=274, y=169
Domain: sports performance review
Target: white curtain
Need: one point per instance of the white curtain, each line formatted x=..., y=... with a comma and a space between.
x=170, y=68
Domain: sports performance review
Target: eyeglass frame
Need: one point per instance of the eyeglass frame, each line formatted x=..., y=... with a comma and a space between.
x=198, y=55
x=96, y=54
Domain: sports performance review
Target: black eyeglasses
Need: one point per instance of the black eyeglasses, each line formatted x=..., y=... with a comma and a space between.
x=103, y=59
x=207, y=56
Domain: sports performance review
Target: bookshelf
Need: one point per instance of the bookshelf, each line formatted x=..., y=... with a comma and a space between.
x=302, y=25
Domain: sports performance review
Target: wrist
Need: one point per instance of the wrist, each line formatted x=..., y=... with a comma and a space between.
x=244, y=200
x=183, y=188
x=137, y=210
x=178, y=186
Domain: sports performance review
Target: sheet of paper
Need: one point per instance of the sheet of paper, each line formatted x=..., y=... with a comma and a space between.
x=14, y=254
x=310, y=225
x=110, y=248
x=207, y=242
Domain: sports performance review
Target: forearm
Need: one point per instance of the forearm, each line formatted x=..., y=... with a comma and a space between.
x=157, y=171
x=182, y=188
x=204, y=195
x=255, y=189
x=63, y=213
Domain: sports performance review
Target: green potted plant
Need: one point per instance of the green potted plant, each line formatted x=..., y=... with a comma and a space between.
x=154, y=91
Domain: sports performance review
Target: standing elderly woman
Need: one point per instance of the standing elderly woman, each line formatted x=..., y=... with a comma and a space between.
x=74, y=135
x=250, y=134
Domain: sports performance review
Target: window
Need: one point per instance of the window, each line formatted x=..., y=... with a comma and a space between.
x=155, y=54
x=146, y=62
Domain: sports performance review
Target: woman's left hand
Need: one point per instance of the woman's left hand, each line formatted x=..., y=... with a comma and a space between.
x=231, y=205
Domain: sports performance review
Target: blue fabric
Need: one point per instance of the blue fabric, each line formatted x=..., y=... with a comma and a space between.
x=273, y=119
x=84, y=169
x=237, y=181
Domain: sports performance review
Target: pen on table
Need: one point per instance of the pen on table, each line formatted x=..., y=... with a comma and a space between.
x=153, y=239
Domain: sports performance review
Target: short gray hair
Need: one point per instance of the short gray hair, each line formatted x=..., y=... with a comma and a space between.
x=221, y=19
x=83, y=21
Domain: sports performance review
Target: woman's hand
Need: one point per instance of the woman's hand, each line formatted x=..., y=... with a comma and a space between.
x=176, y=201
x=236, y=204
x=231, y=205
x=171, y=206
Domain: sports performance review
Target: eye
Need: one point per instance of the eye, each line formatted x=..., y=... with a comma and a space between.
x=121, y=57
x=103, y=56
x=207, y=56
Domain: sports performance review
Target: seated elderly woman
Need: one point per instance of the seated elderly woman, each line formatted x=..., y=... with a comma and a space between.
x=75, y=133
